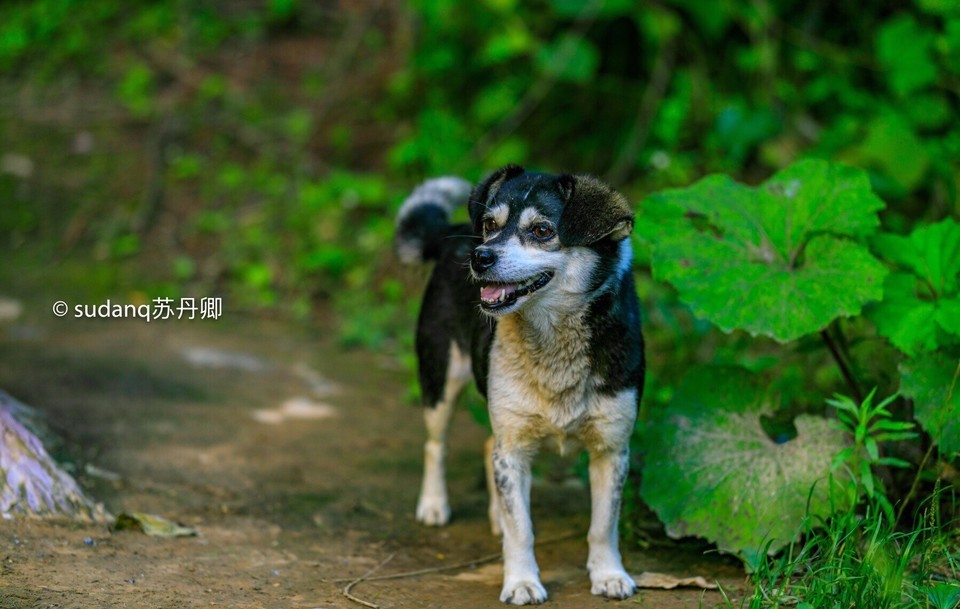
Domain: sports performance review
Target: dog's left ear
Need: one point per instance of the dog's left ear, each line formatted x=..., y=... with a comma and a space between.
x=592, y=211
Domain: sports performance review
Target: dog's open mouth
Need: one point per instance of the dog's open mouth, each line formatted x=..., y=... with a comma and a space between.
x=495, y=296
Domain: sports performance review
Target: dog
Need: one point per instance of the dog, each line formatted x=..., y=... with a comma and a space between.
x=534, y=299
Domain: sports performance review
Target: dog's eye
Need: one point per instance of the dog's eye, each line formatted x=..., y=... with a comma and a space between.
x=542, y=232
x=489, y=225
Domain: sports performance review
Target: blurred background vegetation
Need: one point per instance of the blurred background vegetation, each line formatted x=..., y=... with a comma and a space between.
x=257, y=149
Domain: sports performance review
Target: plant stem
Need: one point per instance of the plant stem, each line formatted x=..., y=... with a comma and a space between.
x=660, y=80
x=844, y=368
x=913, y=487
x=926, y=457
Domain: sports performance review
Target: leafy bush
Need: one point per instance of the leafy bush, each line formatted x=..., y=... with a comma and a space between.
x=788, y=259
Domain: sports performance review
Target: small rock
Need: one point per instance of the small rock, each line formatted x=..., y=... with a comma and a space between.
x=19, y=165
x=10, y=309
x=83, y=143
x=203, y=357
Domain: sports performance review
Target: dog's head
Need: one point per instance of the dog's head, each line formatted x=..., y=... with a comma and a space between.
x=561, y=235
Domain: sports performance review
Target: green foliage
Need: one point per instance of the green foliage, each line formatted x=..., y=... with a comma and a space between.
x=713, y=471
x=787, y=259
x=136, y=90
x=910, y=67
x=931, y=382
x=779, y=259
x=869, y=425
x=921, y=306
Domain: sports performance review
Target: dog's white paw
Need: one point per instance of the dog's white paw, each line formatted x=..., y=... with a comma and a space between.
x=523, y=592
x=613, y=584
x=433, y=511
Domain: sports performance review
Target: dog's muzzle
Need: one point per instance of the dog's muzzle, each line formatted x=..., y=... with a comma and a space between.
x=495, y=296
x=495, y=293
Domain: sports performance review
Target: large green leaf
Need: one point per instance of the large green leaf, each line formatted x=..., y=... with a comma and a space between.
x=931, y=382
x=920, y=310
x=779, y=259
x=712, y=471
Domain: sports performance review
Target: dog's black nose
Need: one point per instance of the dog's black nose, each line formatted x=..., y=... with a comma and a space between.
x=482, y=259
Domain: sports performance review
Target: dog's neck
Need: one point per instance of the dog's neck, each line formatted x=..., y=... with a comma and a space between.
x=541, y=326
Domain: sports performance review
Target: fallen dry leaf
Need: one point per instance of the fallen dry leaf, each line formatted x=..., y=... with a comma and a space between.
x=293, y=409
x=668, y=582
x=153, y=525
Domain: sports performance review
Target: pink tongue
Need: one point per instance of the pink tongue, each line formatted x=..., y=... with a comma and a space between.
x=491, y=291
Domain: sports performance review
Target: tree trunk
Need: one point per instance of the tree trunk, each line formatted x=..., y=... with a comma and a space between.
x=31, y=483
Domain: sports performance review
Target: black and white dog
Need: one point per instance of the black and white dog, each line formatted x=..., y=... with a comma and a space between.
x=535, y=300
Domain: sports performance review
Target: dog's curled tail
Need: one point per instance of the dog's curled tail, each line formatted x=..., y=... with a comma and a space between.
x=424, y=217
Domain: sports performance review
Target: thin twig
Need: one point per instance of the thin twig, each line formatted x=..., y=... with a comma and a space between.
x=468, y=563
x=839, y=54
x=460, y=565
x=844, y=369
x=913, y=487
x=343, y=54
x=538, y=90
x=926, y=457
x=660, y=80
x=429, y=570
x=346, y=589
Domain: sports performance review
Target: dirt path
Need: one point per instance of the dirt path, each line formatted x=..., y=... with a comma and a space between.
x=187, y=420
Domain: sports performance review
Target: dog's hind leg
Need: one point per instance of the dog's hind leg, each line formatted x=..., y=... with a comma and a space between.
x=433, y=507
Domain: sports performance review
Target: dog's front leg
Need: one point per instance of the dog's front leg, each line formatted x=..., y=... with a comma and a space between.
x=521, y=576
x=608, y=471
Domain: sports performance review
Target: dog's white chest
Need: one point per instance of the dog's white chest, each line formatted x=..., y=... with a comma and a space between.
x=542, y=387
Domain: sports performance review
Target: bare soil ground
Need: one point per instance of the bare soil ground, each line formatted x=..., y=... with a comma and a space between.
x=189, y=416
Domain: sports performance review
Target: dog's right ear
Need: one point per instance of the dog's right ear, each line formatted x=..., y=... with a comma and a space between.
x=593, y=211
x=486, y=190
